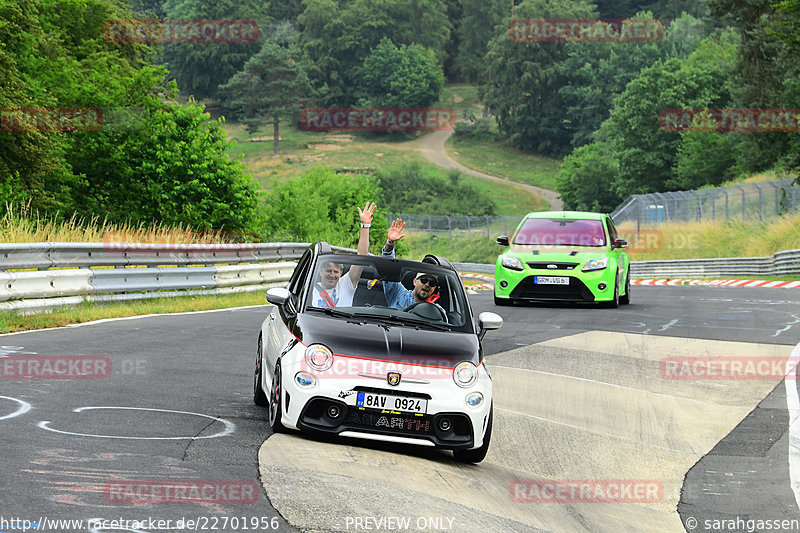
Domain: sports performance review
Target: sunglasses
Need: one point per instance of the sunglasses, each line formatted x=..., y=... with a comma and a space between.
x=433, y=282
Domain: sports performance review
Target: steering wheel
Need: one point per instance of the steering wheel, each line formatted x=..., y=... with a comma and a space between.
x=427, y=310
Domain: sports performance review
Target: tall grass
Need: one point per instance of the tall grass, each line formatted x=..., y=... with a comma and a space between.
x=23, y=224
x=709, y=239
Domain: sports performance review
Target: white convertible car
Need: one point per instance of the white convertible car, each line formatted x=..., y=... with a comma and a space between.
x=351, y=348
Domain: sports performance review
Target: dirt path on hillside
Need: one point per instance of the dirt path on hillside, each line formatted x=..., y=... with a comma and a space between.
x=432, y=145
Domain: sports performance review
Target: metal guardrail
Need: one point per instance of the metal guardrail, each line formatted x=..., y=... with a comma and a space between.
x=68, y=274
x=785, y=263
x=37, y=277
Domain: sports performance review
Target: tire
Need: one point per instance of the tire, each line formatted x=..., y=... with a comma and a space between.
x=613, y=304
x=478, y=454
x=626, y=298
x=259, y=398
x=275, y=404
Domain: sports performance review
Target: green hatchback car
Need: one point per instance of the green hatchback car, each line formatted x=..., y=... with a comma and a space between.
x=567, y=256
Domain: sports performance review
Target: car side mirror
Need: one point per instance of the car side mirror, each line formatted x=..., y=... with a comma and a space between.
x=487, y=321
x=282, y=298
x=619, y=243
x=502, y=240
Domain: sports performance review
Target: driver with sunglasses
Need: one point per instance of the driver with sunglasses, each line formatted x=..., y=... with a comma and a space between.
x=424, y=284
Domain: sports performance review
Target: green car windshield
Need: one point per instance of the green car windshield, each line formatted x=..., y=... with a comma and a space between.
x=561, y=232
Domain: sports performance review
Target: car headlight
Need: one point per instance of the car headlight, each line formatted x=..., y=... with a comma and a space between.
x=465, y=374
x=305, y=380
x=511, y=262
x=474, y=399
x=319, y=357
x=595, y=264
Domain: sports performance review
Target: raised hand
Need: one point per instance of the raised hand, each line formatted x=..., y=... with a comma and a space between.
x=367, y=213
x=396, y=230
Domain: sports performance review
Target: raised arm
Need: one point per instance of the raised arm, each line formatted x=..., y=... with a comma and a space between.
x=363, y=239
x=395, y=234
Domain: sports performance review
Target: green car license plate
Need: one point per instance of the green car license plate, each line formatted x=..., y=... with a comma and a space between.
x=551, y=280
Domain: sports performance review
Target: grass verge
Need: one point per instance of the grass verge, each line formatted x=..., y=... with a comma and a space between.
x=709, y=239
x=87, y=312
x=498, y=158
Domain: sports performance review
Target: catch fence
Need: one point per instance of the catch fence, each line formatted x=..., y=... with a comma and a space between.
x=746, y=201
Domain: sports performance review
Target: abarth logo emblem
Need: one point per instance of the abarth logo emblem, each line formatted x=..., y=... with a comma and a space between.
x=393, y=378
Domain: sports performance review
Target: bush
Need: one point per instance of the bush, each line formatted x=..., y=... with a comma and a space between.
x=410, y=190
x=321, y=205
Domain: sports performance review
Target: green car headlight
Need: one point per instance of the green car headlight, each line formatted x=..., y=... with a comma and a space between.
x=512, y=263
x=595, y=264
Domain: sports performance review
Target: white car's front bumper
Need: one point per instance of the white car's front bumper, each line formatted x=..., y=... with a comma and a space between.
x=307, y=407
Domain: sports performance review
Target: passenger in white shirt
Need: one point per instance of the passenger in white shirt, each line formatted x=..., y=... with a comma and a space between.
x=335, y=290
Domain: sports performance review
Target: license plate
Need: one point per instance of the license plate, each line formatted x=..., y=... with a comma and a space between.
x=388, y=402
x=551, y=280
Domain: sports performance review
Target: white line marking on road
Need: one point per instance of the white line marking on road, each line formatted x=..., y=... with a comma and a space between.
x=668, y=325
x=788, y=326
x=24, y=407
x=230, y=427
x=793, y=405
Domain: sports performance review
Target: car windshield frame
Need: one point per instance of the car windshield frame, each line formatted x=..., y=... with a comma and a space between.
x=370, y=307
x=553, y=231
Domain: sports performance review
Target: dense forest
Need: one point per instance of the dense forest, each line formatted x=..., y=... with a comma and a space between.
x=158, y=157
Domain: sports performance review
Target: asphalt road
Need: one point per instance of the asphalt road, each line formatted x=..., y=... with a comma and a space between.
x=580, y=395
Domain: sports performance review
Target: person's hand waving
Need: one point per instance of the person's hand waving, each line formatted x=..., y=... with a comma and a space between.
x=396, y=231
x=367, y=213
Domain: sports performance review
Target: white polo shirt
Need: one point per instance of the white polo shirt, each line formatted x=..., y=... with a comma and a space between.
x=342, y=294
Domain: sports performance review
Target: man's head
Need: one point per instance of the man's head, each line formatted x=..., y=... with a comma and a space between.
x=424, y=286
x=330, y=272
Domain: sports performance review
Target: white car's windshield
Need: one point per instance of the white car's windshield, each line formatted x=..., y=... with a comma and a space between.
x=388, y=291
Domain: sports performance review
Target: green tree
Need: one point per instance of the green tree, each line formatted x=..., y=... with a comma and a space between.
x=479, y=22
x=596, y=73
x=586, y=179
x=646, y=153
x=405, y=76
x=285, y=9
x=704, y=158
x=320, y=205
x=150, y=160
x=200, y=68
x=273, y=83
x=767, y=73
x=168, y=167
x=337, y=37
x=523, y=78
